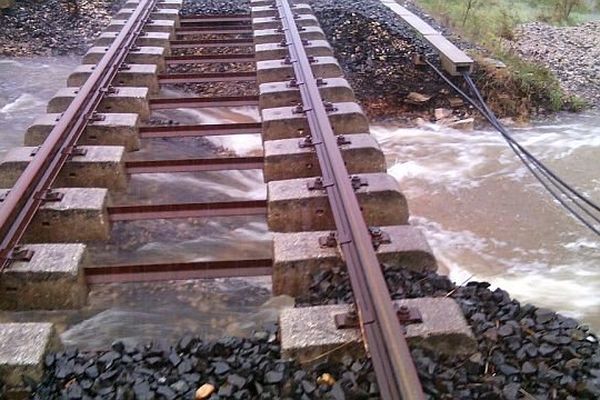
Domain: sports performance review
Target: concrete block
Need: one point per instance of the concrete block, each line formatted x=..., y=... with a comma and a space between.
x=53, y=279
x=79, y=216
x=269, y=11
x=286, y=122
x=163, y=4
x=292, y=207
x=141, y=55
x=298, y=256
x=286, y=159
x=281, y=94
x=165, y=14
x=123, y=100
x=23, y=347
x=136, y=75
x=280, y=70
x=275, y=22
x=276, y=51
x=114, y=130
x=155, y=25
x=274, y=35
x=100, y=166
x=152, y=39
x=309, y=332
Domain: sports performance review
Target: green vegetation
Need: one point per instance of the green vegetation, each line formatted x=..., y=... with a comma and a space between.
x=523, y=85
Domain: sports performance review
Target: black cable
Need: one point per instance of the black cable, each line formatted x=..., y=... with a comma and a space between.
x=526, y=157
x=548, y=174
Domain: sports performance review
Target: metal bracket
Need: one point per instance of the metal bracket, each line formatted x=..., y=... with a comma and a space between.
x=321, y=82
x=49, y=196
x=307, y=142
x=95, y=117
x=74, y=151
x=34, y=151
x=379, y=237
x=288, y=60
x=294, y=83
x=299, y=109
x=20, y=254
x=406, y=316
x=284, y=43
x=135, y=47
x=329, y=107
x=109, y=90
x=341, y=140
x=357, y=182
x=4, y=195
x=124, y=67
x=318, y=184
x=328, y=241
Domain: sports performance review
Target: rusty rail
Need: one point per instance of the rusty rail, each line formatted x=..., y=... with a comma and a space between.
x=384, y=339
x=31, y=189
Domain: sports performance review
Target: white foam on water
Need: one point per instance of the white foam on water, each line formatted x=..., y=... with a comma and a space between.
x=21, y=104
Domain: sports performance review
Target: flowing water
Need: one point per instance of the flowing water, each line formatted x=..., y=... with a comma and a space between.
x=484, y=216
x=488, y=219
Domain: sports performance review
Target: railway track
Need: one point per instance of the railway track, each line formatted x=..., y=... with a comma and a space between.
x=325, y=175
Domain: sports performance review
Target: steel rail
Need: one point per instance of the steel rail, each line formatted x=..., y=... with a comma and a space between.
x=164, y=131
x=111, y=273
x=27, y=194
x=166, y=103
x=384, y=339
x=193, y=165
x=138, y=212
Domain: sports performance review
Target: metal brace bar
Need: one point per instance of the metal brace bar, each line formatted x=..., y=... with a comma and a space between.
x=49, y=196
x=318, y=184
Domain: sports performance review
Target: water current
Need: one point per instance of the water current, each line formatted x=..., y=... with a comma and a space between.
x=484, y=216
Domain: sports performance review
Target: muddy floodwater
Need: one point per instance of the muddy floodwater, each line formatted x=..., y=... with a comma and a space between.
x=483, y=214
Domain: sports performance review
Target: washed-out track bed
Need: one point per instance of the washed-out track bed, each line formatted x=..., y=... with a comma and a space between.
x=341, y=242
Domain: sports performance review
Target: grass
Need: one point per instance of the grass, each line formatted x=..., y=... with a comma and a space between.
x=522, y=86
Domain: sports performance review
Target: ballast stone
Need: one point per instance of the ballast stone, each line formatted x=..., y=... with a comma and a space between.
x=80, y=216
x=275, y=22
x=299, y=255
x=274, y=35
x=23, y=347
x=115, y=129
x=308, y=332
x=281, y=70
x=273, y=51
x=281, y=94
x=287, y=122
x=137, y=75
x=292, y=207
x=100, y=166
x=53, y=279
x=141, y=55
x=287, y=159
x=123, y=99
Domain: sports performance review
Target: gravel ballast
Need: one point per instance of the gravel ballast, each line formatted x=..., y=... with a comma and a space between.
x=571, y=53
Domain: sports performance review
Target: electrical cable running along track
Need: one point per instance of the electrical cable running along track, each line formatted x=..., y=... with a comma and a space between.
x=384, y=339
